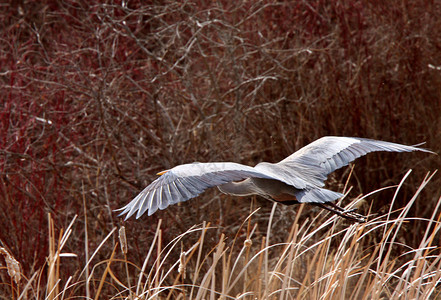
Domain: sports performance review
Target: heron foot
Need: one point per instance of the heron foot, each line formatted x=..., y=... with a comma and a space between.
x=347, y=214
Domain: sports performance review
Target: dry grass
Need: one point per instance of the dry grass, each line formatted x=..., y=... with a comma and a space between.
x=320, y=259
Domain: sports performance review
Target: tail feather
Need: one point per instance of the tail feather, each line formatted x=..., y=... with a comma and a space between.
x=317, y=195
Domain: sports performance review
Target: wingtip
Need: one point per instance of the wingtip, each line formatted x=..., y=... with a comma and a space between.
x=122, y=210
x=122, y=214
x=119, y=209
x=417, y=148
x=425, y=150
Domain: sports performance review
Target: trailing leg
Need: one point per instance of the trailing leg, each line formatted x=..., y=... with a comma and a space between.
x=347, y=214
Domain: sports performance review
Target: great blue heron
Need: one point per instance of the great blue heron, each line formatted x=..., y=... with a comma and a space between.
x=299, y=178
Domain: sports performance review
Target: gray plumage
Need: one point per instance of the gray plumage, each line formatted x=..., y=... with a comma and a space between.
x=299, y=178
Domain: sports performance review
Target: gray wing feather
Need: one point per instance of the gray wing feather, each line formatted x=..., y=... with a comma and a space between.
x=317, y=195
x=327, y=154
x=185, y=182
x=307, y=169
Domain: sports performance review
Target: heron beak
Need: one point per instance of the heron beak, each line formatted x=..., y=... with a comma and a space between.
x=162, y=172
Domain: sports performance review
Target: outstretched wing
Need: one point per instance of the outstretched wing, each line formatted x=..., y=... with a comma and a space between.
x=330, y=153
x=184, y=182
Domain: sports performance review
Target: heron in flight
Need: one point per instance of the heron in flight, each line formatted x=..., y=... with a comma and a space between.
x=299, y=178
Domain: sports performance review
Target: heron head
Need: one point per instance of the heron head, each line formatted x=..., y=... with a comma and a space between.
x=162, y=172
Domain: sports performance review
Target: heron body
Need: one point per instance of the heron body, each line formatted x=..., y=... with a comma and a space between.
x=267, y=188
x=299, y=178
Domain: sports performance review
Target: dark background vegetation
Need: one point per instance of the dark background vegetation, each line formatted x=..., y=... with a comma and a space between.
x=98, y=96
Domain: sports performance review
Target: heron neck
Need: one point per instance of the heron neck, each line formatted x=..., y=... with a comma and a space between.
x=242, y=188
